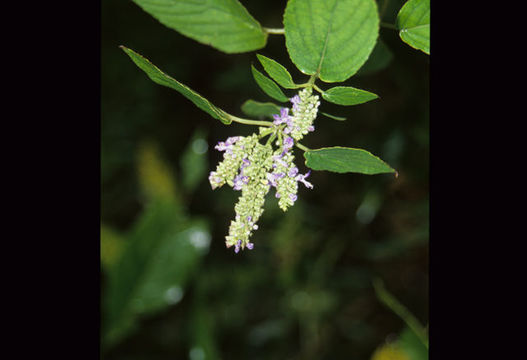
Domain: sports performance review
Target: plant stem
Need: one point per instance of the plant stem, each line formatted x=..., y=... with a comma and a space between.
x=265, y=132
x=318, y=89
x=274, y=31
x=312, y=79
x=390, y=301
x=302, y=147
x=270, y=139
x=384, y=7
x=250, y=122
x=388, y=26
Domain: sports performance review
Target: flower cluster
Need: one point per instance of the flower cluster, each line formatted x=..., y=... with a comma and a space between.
x=253, y=168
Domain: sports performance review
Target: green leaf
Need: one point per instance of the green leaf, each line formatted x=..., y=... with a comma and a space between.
x=347, y=95
x=260, y=109
x=223, y=24
x=380, y=58
x=159, y=77
x=342, y=160
x=393, y=304
x=413, y=21
x=162, y=252
x=334, y=117
x=331, y=39
x=268, y=86
x=412, y=346
x=277, y=72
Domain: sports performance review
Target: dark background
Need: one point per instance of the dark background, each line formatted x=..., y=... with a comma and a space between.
x=305, y=291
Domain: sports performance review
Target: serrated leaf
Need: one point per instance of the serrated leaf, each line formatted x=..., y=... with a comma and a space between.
x=276, y=71
x=347, y=95
x=334, y=117
x=223, y=24
x=342, y=160
x=413, y=21
x=268, y=86
x=260, y=109
x=331, y=39
x=380, y=58
x=159, y=77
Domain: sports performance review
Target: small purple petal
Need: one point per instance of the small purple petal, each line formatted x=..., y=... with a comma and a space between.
x=232, y=140
x=288, y=142
x=250, y=246
x=293, y=197
x=293, y=172
x=271, y=178
x=214, y=180
x=295, y=99
x=302, y=178
x=239, y=181
x=221, y=146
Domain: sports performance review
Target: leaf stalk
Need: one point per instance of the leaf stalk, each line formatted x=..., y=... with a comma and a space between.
x=274, y=31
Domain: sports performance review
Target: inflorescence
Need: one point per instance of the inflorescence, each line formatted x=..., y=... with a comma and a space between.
x=253, y=168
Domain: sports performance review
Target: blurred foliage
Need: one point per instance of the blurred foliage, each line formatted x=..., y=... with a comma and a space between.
x=170, y=288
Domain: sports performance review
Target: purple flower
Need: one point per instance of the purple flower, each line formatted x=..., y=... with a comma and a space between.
x=214, y=180
x=221, y=146
x=250, y=246
x=232, y=140
x=237, y=246
x=295, y=100
x=278, y=159
x=245, y=163
x=228, y=144
x=293, y=197
x=239, y=181
x=302, y=178
x=293, y=172
x=283, y=117
x=311, y=128
x=288, y=143
x=273, y=177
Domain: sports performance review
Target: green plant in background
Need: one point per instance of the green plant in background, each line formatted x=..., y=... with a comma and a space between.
x=149, y=267
x=327, y=40
x=413, y=341
x=156, y=264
